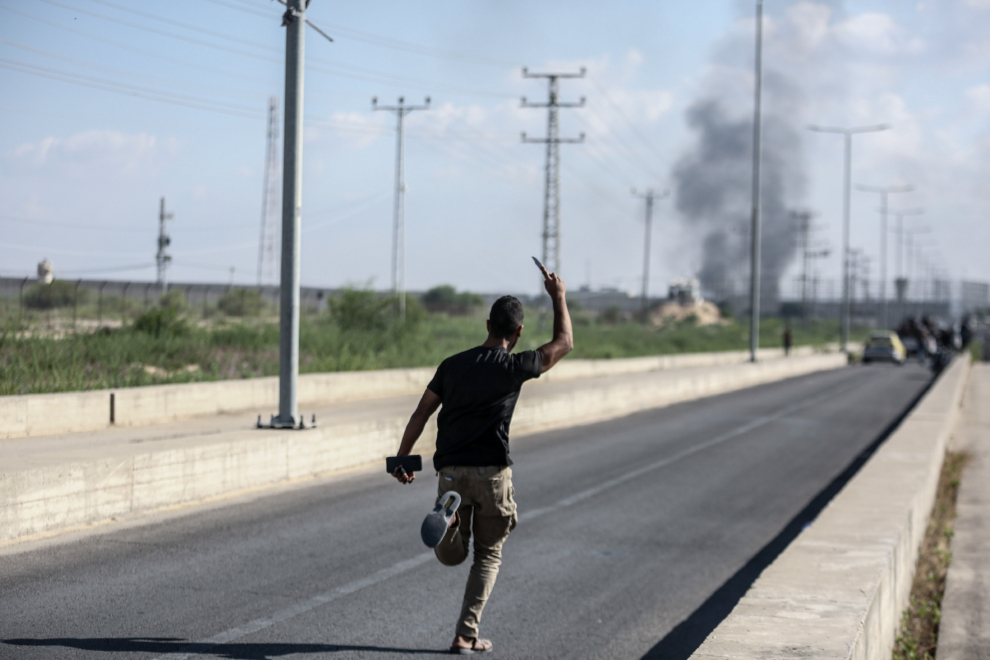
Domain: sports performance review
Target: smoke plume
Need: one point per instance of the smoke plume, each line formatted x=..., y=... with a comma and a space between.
x=713, y=183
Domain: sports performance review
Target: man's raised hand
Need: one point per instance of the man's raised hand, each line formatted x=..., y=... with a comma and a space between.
x=553, y=283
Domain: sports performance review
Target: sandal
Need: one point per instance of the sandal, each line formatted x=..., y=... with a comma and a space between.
x=477, y=646
x=436, y=523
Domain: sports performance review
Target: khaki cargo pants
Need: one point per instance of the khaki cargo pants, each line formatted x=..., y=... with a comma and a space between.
x=488, y=511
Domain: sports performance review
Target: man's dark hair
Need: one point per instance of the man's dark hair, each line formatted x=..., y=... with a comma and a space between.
x=506, y=316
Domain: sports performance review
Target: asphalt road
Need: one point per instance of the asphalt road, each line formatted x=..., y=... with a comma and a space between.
x=636, y=537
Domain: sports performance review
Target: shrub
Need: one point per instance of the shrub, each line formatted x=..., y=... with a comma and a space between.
x=174, y=299
x=59, y=293
x=163, y=320
x=611, y=315
x=241, y=302
x=444, y=298
x=361, y=309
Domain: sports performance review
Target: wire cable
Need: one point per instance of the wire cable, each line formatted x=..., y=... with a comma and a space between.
x=129, y=90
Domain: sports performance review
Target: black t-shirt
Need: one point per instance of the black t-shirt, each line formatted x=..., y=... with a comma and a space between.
x=479, y=389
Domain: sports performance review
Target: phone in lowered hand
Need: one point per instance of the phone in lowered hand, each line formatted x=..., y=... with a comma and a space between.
x=411, y=463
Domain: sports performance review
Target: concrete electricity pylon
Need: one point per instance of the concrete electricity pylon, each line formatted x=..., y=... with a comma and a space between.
x=162, y=257
x=650, y=196
x=551, y=194
x=269, y=201
x=398, y=213
x=846, y=201
x=884, y=191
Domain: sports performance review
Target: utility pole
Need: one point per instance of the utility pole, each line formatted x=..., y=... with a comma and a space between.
x=754, y=234
x=808, y=255
x=900, y=283
x=649, y=196
x=551, y=193
x=398, y=215
x=164, y=240
x=846, y=185
x=269, y=200
x=294, y=21
x=884, y=191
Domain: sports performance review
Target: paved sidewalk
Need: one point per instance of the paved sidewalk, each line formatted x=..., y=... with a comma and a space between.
x=964, y=633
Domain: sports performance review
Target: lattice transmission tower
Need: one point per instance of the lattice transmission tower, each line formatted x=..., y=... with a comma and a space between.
x=271, y=199
x=551, y=194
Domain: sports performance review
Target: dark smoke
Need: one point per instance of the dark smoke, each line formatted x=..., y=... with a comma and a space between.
x=713, y=184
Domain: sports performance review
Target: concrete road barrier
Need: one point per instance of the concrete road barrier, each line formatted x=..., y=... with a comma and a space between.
x=190, y=461
x=73, y=412
x=839, y=589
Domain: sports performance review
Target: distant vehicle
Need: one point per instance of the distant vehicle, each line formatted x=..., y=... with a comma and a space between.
x=884, y=346
x=911, y=347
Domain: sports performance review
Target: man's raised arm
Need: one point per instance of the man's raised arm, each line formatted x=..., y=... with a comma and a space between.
x=563, y=334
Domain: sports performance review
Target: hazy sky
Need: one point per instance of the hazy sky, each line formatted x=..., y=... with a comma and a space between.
x=108, y=105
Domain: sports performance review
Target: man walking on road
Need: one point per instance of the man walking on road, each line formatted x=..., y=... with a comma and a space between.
x=478, y=390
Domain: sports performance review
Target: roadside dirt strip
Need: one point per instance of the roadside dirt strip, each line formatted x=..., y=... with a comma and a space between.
x=60, y=482
x=839, y=589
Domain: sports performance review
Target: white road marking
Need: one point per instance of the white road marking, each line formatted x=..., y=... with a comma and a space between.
x=231, y=634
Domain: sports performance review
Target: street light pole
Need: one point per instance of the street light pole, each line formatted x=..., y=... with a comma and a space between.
x=288, y=353
x=846, y=185
x=884, y=191
x=754, y=246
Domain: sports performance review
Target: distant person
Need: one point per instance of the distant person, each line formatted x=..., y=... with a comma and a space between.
x=788, y=339
x=478, y=390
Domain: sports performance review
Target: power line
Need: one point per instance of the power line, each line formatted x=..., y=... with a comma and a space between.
x=359, y=73
x=165, y=33
x=141, y=76
x=133, y=49
x=49, y=250
x=618, y=110
x=128, y=90
x=383, y=41
x=109, y=269
x=631, y=153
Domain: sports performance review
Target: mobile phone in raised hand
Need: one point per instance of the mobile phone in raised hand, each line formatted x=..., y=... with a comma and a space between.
x=538, y=264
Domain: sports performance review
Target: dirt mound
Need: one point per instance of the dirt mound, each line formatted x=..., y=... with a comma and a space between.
x=704, y=312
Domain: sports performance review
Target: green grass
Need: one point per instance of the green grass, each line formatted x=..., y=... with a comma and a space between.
x=125, y=357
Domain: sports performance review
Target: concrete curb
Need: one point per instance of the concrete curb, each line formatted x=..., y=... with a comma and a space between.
x=44, y=500
x=839, y=589
x=964, y=630
x=73, y=412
